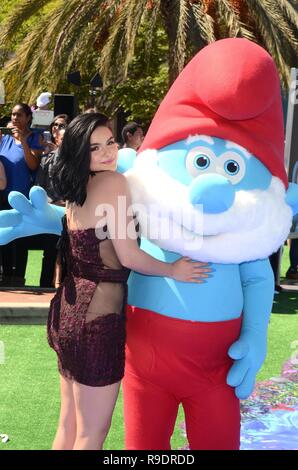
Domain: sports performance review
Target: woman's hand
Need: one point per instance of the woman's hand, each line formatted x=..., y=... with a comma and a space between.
x=18, y=134
x=187, y=270
x=49, y=147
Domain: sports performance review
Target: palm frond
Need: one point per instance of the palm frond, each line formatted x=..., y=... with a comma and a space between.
x=290, y=13
x=119, y=48
x=181, y=35
x=68, y=28
x=274, y=38
x=17, y=71
x=34, y=55
x=71, y=17
x=279, y=20
x=102, y=33
x=230, y=20
x=151, y=21
x=21, y=13
x=204, y=22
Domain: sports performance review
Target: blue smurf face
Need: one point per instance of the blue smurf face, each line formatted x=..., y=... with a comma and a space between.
x=214, y=169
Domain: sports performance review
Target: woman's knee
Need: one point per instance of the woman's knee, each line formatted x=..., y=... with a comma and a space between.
x=93, y=431
x=67, y=417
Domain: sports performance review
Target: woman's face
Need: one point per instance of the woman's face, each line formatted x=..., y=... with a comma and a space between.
x=19, y=118
x=104, y=150
x=58, y=130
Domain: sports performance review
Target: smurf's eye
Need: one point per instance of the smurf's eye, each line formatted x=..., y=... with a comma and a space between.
x=202, y=162
x=199, y=161
x=232, y=167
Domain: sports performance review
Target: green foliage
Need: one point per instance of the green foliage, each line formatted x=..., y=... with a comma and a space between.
x=140, y=97
x=147, y=79
x=24, y=26
x=7, y=6
x=7, y=52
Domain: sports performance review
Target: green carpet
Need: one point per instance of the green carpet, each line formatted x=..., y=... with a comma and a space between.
x=29, y=391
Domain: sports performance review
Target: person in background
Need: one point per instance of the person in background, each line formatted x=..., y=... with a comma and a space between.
x=275, y=266
x=56, y=132
x=91, y=110
x=292, y=272
x=20, y=155
x=132, y=135
x=43, y=101
x=51, y=271
x=3, y=183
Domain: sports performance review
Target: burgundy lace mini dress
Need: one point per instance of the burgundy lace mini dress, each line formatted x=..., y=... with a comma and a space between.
x=86, y=323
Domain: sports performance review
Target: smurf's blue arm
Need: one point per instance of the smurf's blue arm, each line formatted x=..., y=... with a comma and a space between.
x=258, y=289
x=249, y=351
x=30, y=216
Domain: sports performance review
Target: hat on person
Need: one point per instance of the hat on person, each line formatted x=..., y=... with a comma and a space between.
x=43, y=99
x=230, y=90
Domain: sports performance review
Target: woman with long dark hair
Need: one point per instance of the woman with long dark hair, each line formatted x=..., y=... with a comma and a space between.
x=20, y=154
x=86, y=324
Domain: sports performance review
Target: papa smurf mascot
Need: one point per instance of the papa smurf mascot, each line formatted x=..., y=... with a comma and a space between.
x=212, y=164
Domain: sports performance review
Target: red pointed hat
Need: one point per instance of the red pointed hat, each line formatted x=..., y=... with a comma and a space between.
x=230, y=90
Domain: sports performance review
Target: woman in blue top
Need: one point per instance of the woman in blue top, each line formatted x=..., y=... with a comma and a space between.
x=21, y=151
x=20, y=155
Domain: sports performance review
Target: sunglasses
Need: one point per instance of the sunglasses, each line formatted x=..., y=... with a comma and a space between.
x=59, y=126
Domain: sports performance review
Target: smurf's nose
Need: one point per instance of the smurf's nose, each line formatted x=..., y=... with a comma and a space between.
x=214, y=192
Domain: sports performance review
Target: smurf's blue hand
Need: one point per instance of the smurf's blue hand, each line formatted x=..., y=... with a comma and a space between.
x=126, y=158
x=292, y=197
x=249, y=351
x=29, y=216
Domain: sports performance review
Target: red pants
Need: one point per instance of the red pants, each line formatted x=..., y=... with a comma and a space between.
x=172, y=361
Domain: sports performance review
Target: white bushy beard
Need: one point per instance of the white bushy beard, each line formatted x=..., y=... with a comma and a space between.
x=253, y=228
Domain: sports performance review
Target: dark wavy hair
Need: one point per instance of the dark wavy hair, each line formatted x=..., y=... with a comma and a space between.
x=71, y=171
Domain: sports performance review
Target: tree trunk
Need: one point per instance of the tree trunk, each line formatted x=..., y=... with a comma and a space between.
x=170, y=15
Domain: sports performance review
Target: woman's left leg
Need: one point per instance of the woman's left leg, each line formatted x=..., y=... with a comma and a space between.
x=94, y=409
x=66, y=432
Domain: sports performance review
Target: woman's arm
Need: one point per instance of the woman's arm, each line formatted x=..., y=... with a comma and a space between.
x=121, y=229
x=3, y=181
x=32, y=156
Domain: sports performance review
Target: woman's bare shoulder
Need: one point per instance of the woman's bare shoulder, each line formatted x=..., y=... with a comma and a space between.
x=108, y=176
x=108, y=184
